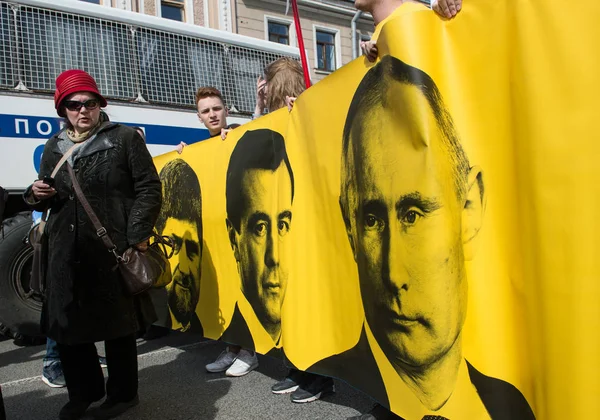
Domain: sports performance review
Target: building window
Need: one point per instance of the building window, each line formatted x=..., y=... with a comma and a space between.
x=279, y=32
x=173, y=9
x=325, y=51
x=92, y=1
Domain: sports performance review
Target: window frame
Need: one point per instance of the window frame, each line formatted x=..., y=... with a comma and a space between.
x=279, y=37
x=336, y=43
x=186, y=5
x=282, y=21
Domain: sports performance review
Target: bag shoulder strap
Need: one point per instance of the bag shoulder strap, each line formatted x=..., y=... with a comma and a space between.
x=61, y=162
x=64, y=158
x=100, y=230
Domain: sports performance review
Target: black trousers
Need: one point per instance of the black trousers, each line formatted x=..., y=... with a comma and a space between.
x=83, y=374
x=2, y=413
x=306, y=377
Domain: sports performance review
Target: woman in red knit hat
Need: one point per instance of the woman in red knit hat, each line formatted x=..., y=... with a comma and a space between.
x=85, y=300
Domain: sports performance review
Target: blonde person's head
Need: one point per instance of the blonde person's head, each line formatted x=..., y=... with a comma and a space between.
x=284, y=77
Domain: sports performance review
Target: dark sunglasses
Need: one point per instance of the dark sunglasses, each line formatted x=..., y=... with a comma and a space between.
x=76, y=105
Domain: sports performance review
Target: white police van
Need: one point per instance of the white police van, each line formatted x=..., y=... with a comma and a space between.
x=148, y=68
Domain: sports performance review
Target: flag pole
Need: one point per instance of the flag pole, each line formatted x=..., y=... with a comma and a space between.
x=305, y=67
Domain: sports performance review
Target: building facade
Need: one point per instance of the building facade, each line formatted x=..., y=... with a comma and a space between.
x=326, y=24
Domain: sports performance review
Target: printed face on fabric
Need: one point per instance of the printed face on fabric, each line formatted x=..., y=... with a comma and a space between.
x=180, y=219
x=184, y=290
x=260, y=188
x=411, y=206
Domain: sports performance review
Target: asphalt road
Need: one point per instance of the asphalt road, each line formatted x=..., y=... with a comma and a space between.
x=174, y=386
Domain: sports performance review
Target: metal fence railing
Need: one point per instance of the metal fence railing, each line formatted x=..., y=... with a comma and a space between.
x=130, y=62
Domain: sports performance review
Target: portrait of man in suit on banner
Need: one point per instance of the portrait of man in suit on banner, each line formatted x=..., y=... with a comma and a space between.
x=413, y=207
x=259, y=195
x=180, y=219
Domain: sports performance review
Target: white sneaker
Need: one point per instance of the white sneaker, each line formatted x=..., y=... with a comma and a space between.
x=244, y=363
x=223, y=362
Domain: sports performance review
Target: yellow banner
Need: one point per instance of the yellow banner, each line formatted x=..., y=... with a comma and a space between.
x=421, y=227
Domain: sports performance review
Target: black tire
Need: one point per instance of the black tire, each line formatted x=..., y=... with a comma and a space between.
x=18, y=312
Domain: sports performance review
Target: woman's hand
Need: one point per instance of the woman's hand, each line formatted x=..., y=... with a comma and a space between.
x=180, y=147
x=447, y=8
x=224, y=132
x=289, y=101
x=42, y=191
x=369, y=49
x=142, y=246
x=261, y=97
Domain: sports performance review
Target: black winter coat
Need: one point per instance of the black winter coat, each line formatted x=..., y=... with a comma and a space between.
x=85, y=300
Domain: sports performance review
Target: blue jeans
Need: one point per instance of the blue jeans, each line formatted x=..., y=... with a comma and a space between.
x=51, y=351
x=52, y=368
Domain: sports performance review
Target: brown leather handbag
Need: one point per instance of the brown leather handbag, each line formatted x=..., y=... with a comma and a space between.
x=151, y=268
x=139, y=270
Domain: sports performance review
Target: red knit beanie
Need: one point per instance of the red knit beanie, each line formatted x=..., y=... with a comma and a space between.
x=71, y=81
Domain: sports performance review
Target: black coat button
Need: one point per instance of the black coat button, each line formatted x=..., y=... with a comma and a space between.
x=71, y=228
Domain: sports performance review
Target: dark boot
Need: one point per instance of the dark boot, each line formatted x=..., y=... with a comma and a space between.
x=110, y=409
x=155, y=331
x=73, y=410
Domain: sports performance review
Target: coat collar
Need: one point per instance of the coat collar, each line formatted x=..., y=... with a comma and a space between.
x=92, y=145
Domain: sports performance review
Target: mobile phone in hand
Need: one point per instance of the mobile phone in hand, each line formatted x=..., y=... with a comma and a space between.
x=48, y=181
